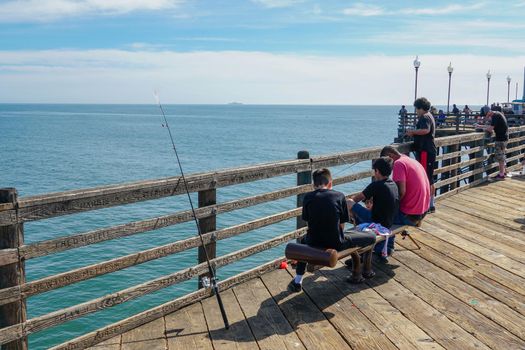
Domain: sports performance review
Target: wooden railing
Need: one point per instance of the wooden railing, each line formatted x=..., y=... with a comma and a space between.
x=460, y=121
x=453, y=174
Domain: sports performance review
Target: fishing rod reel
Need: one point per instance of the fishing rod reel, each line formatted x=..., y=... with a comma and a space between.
x=209, y=282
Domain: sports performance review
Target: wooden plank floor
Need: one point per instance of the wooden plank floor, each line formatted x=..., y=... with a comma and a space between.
x=464, y=289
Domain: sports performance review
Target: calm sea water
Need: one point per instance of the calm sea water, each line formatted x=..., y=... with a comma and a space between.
x=50, y=148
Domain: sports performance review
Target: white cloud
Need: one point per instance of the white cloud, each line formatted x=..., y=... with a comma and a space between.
x=277, y=3
x=119, y=76
x=49, y=10
x=360, y=9
x=458, y=9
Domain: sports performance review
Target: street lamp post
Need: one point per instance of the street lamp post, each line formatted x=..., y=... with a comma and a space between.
x=508, y=88
x=417, y=63
x=488, y=85
x=449, y=69
x=516, y=90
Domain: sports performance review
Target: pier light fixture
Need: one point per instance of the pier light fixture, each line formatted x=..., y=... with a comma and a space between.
x=417, y=64
x=509, y=79
x=489, y=75
x=450, y=69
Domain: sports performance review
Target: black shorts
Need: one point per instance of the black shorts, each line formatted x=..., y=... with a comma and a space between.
x=427, y=160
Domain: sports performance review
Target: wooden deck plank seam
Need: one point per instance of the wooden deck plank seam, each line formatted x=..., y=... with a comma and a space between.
x=246, y=318
x=386, y=301
x=494, y=282
x=329, y=320
x=482, y=315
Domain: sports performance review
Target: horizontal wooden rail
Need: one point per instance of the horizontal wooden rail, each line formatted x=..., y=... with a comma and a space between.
x=104, y=234
x=458, y=154
x=137, y=320
x=473, y=172
x=8, y=295
x=460, y=165
x=70, y=202
x=37, y=324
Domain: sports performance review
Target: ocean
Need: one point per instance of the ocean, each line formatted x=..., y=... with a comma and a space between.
x=49, y=148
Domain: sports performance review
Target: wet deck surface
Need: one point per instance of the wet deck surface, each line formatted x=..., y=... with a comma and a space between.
x=464, y=289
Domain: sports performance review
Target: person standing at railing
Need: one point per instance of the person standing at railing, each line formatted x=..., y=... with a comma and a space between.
x=467, y=112
x=498, y=125
x=455, y=109
x=424, y=142
x=326, y=212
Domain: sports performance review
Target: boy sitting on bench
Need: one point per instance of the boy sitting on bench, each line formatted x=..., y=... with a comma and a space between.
x=384, y=194
x=326, y=212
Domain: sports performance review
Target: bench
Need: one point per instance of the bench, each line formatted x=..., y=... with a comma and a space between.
x=361, y=256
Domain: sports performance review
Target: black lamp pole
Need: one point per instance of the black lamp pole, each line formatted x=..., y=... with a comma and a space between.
x=449, y=69
x=488, y=86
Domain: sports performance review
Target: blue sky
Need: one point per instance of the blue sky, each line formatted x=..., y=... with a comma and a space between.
x=286, y=43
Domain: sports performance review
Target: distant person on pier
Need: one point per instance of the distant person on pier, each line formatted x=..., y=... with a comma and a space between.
x=484, y=110
x=455, y=109
x=442, y=118
x=384, y=195
x=403, y=114
x=403, y=111
x=326, y=212
x=467, y=112
x=498, y=124
x=414, y=190
x=424, y=142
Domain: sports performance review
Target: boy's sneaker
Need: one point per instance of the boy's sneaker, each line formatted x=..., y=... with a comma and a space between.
x=432, y=210
x=295, y=287
x=500, y=177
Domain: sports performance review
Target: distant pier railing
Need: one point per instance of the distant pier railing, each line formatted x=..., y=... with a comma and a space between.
x=452, y=123
x=453, y=173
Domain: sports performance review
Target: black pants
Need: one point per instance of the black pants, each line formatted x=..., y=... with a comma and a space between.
x=352, y=240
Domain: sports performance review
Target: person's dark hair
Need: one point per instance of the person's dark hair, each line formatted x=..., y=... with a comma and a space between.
x=321, y=177
x=383, y=165
x=403, y=106
x=422, y=103
x=387, y=150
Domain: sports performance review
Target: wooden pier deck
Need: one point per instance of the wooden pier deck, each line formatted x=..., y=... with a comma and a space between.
x=464, y=289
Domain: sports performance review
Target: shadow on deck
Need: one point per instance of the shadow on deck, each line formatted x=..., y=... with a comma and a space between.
x=464, y=289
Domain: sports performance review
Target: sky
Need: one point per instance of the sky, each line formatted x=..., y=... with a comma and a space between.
x=259, y=51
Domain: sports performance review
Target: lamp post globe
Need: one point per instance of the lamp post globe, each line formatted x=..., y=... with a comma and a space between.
x=417, y=64
x=450, y=69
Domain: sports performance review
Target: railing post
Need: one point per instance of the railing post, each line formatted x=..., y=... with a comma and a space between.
x=303, y=178
x=478, y=154
x=12, y=236
x=453, y=173
x=208, y=224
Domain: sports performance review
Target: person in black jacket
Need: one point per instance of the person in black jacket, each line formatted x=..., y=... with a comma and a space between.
x=424, y=142
x=326, y=212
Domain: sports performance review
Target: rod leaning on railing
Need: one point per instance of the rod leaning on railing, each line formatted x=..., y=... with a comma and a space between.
x=450, y=174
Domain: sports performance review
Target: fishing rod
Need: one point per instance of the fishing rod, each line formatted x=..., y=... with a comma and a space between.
x=213, y=278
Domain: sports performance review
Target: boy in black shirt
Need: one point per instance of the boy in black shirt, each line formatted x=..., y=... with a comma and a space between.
x=384, y=193
x=424, y=142
x=326, y=212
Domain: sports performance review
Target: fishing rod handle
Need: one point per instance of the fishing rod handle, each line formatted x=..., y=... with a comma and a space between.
x=221, y=307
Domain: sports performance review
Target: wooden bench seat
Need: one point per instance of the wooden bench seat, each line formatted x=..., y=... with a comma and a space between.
x=361, y=256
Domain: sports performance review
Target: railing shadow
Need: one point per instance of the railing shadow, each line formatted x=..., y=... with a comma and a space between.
x=285, y=312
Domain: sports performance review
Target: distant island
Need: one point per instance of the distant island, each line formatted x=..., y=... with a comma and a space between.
x=235, y=103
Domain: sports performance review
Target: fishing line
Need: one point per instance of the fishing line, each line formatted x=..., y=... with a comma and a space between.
x=211, y=270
